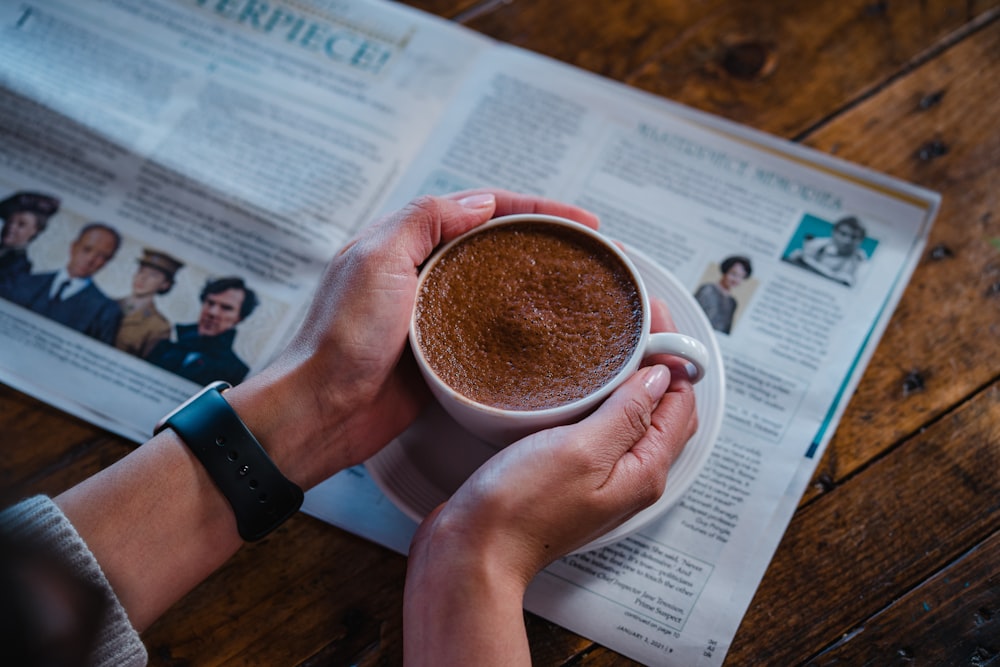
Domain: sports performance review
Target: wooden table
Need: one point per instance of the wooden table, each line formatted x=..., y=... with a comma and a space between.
x=893, y=556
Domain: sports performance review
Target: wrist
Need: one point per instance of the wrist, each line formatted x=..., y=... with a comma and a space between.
x=315, y=419
x=260, y=496
x=285, y=419
x=443, y=547
x=462, y=606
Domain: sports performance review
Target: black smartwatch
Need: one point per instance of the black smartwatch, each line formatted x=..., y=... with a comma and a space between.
x=261, y=497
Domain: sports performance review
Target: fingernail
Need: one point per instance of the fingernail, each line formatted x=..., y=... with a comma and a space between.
x=657, y=380
x=691, y=370
x=477, y=201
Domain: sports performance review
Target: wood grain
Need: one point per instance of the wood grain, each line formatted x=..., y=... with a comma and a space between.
x=312, y=604
x=882, y=534
x=940, y=346
x=891, y=557
x=782, y=67
x=952, y=618
x=45, y=450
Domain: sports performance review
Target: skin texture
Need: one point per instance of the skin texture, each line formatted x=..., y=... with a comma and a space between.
x=159, y=526
x=471, y=560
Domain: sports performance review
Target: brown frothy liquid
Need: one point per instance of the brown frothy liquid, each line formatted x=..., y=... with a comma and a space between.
x=528, y=316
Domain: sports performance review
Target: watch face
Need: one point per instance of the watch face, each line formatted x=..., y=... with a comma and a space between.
x=218, y=386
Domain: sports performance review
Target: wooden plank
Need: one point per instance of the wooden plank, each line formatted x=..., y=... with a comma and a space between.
x=452, y=9
x=553, y=645
x=610, y=39
x=878, y=536
x=930, y=359
x=45, y=450
x=313, y=614
x=782, y=66
x=310, y=606
x=951, y=619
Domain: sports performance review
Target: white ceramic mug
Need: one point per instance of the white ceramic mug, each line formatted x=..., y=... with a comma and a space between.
x=501, y=426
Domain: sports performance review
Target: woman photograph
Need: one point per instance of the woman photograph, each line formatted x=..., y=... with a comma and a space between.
x=716, y=299
x=25, y=215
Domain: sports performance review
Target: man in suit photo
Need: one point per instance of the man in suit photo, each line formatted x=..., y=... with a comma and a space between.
x=203, y=350
x=69, y=295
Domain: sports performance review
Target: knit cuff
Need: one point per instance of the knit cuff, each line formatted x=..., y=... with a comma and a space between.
x=38, y=518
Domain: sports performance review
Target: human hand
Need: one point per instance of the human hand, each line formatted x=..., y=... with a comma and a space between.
x=347, y=384
x=556, y=490
x=535, y=501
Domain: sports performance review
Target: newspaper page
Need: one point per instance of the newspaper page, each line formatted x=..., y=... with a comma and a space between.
x=218, y=145
x=821, y=251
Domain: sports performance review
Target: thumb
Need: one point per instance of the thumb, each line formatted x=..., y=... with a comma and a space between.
x=626, y=415
x=474, y=210
x=427, y=221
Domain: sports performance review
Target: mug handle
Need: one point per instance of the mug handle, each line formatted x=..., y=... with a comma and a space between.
x=679, y=345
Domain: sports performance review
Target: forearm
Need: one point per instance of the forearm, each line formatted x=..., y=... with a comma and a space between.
x=156, y=524
x=155, y=520
x=462, y=612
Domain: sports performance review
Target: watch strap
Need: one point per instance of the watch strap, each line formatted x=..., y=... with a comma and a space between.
x=261, y=497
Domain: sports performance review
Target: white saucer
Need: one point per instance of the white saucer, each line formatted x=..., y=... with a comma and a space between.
x=421, y=468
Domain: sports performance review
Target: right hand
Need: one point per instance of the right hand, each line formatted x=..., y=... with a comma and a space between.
x=538, y=499
x=554, y=491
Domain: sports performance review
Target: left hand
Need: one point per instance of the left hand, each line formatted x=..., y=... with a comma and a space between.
x=347, y=383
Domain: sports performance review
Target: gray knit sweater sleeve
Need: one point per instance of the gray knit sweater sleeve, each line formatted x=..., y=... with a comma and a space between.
x=118, y=643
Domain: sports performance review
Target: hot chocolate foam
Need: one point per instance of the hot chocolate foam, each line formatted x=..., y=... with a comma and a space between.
x=528, y=316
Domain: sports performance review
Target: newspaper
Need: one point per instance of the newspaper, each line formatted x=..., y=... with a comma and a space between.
x=249, y=140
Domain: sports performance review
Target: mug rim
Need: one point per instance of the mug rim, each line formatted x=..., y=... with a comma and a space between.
x=593, y=398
